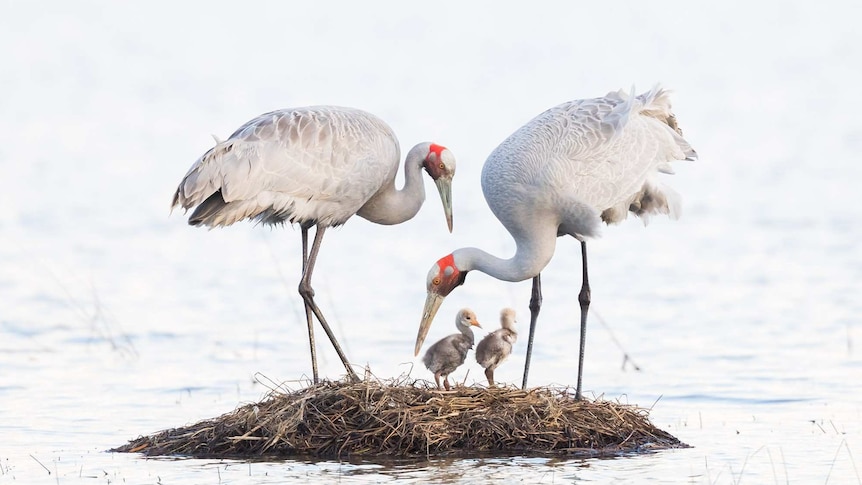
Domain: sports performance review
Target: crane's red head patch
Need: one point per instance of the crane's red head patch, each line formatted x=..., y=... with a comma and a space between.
x=439, y=162
x=447, y=265
x=438, y=149
x=445, y=276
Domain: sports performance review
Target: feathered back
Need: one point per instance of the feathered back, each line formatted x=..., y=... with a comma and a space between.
x=656, y=104
x=589, y=158
x=304, y=165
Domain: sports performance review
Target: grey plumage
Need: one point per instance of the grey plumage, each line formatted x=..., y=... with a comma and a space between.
x=309, y=166
x=448, y=353
x=497, y=345
x=563, y=173
x=317, y=167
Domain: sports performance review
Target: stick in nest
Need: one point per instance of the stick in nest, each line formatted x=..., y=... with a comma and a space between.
x=407, y=418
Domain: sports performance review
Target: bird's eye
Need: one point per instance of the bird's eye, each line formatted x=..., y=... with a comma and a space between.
x=436, y=281
x=442, y=166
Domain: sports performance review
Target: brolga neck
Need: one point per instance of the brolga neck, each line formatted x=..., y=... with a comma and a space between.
x=392, y=206
x=531, y=257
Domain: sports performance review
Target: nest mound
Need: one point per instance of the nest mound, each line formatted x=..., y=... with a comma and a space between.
x=396, y=419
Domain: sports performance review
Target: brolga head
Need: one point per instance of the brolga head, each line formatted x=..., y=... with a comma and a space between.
x=443, y=277
x=440, y=165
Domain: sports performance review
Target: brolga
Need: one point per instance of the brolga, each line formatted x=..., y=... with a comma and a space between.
x=497, y=345
x=562, y=174
x=448, y=353
x=315, y=167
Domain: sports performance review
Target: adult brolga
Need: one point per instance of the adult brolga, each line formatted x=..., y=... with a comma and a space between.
x=315, y=167
x=563, y=173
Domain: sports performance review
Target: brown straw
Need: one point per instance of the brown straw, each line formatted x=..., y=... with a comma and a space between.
x=413, y=419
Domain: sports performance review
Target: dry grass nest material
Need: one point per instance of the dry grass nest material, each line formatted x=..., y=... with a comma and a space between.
x=400, y=419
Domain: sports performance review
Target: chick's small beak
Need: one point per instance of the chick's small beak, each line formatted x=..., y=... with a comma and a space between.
x=432, y=304
x=444, y=186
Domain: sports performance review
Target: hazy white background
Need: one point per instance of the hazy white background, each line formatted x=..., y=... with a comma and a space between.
x=117, y=319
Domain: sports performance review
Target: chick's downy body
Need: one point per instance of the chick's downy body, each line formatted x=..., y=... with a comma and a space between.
x=497, y=345
x=448, y=353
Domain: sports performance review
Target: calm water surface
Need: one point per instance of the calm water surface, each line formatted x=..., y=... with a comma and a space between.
x=118, y=320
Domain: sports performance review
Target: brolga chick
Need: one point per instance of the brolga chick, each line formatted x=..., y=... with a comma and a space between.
x=497, y=345
x=448, y=353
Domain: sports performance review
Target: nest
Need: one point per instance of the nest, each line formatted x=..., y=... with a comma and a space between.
x=400, y=419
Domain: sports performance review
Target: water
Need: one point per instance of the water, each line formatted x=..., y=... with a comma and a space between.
x=119, y=320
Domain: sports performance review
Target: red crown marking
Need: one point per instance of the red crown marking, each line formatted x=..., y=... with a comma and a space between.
x=438, y=149
x=445, y=261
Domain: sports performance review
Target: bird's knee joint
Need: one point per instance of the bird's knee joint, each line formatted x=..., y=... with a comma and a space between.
x=305, y=290
x=584, y=297
x=535, y=303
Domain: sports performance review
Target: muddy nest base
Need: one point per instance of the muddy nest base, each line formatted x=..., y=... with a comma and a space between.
x=397, y=419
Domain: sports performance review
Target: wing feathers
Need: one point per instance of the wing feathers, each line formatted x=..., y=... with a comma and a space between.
x=301, y=165
x=616, y=171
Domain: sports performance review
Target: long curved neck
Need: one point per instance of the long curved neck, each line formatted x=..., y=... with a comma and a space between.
x=392, y=206
x=531, y=257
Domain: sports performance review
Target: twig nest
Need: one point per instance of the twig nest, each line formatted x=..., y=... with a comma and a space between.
x=397, y=418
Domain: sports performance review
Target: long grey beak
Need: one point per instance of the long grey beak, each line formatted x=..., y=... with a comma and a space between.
x=444, y=186
x=432, y=304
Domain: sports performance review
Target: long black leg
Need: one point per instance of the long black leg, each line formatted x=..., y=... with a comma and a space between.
x=584, y=300
x=308, y=296
x=535, y=306
x=308, y=320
